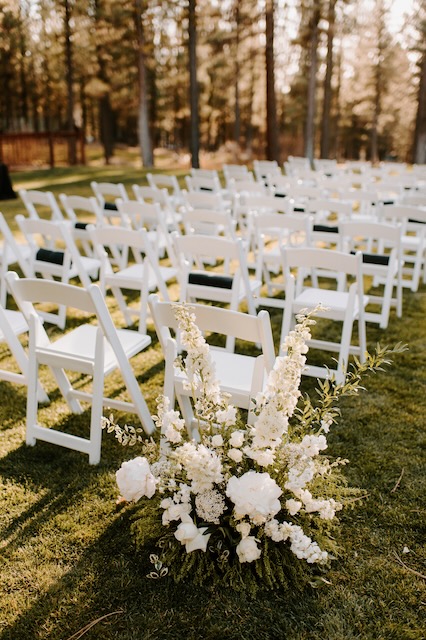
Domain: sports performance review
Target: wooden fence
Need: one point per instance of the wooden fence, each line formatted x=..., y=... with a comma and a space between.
x=51, y=149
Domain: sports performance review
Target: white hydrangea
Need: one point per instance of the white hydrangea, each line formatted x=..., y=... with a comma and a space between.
x=210, y=505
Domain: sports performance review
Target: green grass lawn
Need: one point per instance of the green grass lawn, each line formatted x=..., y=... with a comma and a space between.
x=69, y=568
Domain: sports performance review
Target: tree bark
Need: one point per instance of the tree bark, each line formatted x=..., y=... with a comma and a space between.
x=193, y=85
x=143, y=115
x=272, y=151
x=419, y=147
x=312, y=85
x=326, y=109
x=237, y=110
x=72, y=149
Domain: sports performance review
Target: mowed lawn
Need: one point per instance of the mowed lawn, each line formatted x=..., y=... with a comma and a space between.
x=69, y=568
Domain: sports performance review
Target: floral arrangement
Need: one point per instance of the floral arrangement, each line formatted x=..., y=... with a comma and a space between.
x=247, y=504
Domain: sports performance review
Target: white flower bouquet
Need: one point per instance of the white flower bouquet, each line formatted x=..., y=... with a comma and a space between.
x=248, y=505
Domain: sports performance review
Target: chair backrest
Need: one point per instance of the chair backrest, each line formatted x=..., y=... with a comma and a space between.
x=307, y=261
x=39, y=203
x=160, y=180
x=211, y=319
x=204, y=173
x=151, y=195
x=410, y=216
x=210, y=222
x=74, y=206
x=230, y=282
x=236, y=172
x=202, y=183
x=107, y=192
x=265, y=168
x=203, y=200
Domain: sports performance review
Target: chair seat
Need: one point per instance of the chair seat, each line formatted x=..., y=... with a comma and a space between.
x=335, y=301
x=78, y=348
x=16, y=321
x=135, y=273
x=234, y=373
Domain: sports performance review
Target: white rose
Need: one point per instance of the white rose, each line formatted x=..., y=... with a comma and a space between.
x=247, y=550
x=235, y=454
x=254, y=494
x=293, y=506
x=243, y=528
x=236, y=439
x=217, y=441
x=134, y=479
x=191, y=536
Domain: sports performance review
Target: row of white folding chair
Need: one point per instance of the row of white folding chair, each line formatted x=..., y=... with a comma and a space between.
x=380, y=244
x=241, y=376
x=90, y=349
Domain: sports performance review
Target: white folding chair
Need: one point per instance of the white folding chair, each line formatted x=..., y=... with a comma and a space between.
x=241, y=376
x=54, y=254
x=11, y=252
x=149, y=216
x=413, y=242
x=90, y=349
x=41, y=204
x=151, y=195
x=203, y=183
x=263, y=169
x=203, y=200
x=143, y=275
x=162, y=180
x=380, y=244
x=228, y=283
x=209, y=222
x=347, y=307
x=81, y=211
x=271, y=231
x=107, y=193
x=13, y=325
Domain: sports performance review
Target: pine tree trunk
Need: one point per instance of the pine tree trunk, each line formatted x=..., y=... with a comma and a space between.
x=193, y=85
x=326, y=109
x=72, y=150
x=143, y=115
x=312, y=86
x=419, y=147
x=272, y=152
x=237, y=110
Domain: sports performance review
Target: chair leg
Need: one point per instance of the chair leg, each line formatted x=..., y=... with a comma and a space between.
x=97, y=403
x=32, y=399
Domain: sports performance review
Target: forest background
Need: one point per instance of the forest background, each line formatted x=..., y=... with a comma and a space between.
x=266, y=78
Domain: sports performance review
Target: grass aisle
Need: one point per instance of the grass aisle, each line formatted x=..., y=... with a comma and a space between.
x=69, y=568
